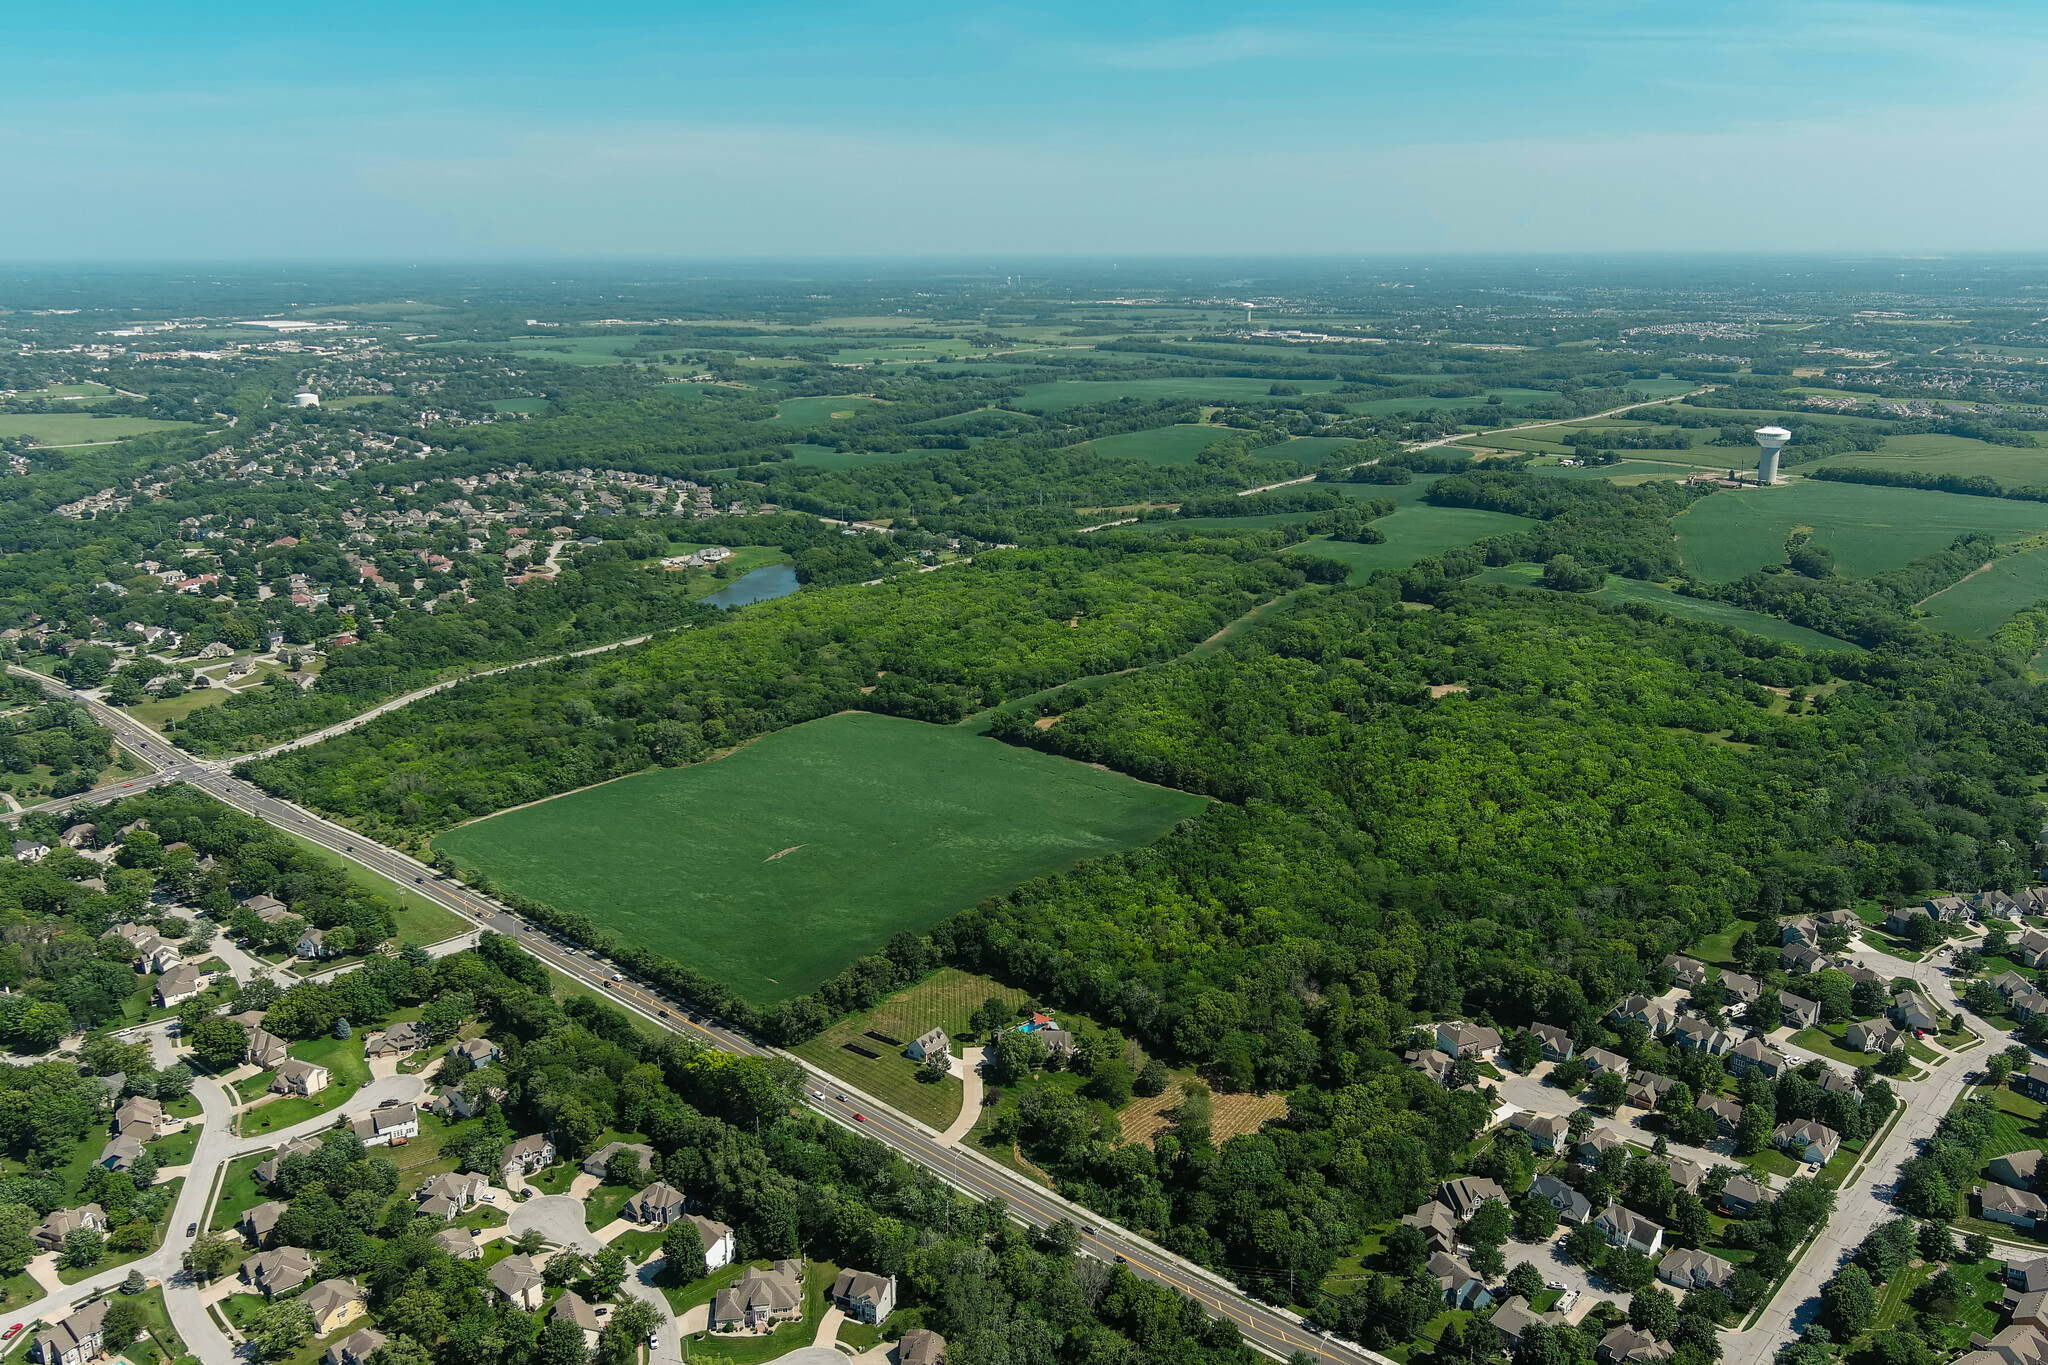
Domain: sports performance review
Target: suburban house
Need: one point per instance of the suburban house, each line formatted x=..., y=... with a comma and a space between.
x=158, y=955
x=1739, y=988
x=1949, y=909
x=29, y=851
x=312, y=945
x=1546, y=1132
x=1799, y=929
x=178, y=985
x=1646, y=1088
x=1688, y=972
x=1439, y=1226
x=1626, y=1228
x=1911, y=1012
x=1461, y=1288
x=76, y=1339
x=1686, y=1175
x=269, y=909
x=1753, y=1054
x=1902, y=917
x=1557, y=1044
x=2017, y=1344
x=530, y=1153
x=921, y=1346
x=266, y=1050
x=2004, y=1204
x=2033, y=1082
x=2017, y=1169
x=600, y=1160
x=1834, y=1082
x=1431, y=1063
x=1727, y=1113
x=1873, y=1036
x=1741, y=1194
x=572, y=1308
x=1514, y=1318
x=278, y=1272
x=1797, y=1011
x=382, y=1127
x=933, y=1043
x=335, y=1304
x=660, y=1203
x=260, y=1222
x=1593, y=1144
x=478, y=1051
x=2031, y=947
x=395, y=1041
x=518, y=1279
x=719, y=1244
x=1651, y=1014
x=62, y=1223
x=863, y=1296
x=1695, y=1270
x=2027, y=1004
x=460, y=1243
x=1571, y=1206
x=1797, y=957
x=357, y=1347
x=267, y=1171
x=2010, y=983
x=1460, y=1039
x=296, y=1077
x=1627, y=1346
x=1467, y=1193
x=121, y=1154
x=1808, y=1141
x=760, y=1297
x=1695, y=1034
x=2028, y=1276
x=446, y=1196
x=1600, y=1061
x=142, y=1117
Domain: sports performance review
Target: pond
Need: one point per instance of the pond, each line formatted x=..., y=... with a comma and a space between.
x=773, y=580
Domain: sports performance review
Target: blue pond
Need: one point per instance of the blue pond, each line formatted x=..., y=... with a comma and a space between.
x=775, y=580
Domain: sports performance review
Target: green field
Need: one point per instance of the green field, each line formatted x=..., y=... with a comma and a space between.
x=1931, y=454
x=1982, y=602
x=1510, y=397
x=1719, y=613
x=773, y=868
x=1870, y=529
x=1415, y=531
x=809, y=412
x=1072, y=393
x=1310, y=451
x=1161, y=445
x=825, y=457
x=79, y=428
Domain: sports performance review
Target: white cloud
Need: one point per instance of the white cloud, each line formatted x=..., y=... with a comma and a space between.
x=1192, y=50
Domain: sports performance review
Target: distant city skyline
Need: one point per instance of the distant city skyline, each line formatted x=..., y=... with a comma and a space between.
x=516, y=131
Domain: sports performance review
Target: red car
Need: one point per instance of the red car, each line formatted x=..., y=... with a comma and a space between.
x=860, y=1118
x=8, y=1335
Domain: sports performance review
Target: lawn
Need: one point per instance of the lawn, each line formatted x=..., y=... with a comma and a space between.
x=1718, y=949
x=80, y=428
x=1870, y=530
x=942, y=1000
x=1771, y=1161
x=1692, y=608
x=157, y=710
x=177, y=1149
x=1984, y=601
x=1828, y=1043
x=239, y=1191
x=1161, y=445
x=419, y=920
x=113, y=1259
x=774, y=867
x=349, y=1071
x=1062, y=394
x=755, y=1350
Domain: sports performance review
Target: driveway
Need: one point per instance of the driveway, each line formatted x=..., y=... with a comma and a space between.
x=967, y=1066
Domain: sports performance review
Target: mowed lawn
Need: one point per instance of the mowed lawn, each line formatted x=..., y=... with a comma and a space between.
x=806, y=412
x=773, y=868
x=1870, y=529
x=1983, y=602
x=78, y=428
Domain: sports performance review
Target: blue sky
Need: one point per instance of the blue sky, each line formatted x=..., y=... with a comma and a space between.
x=515, y=130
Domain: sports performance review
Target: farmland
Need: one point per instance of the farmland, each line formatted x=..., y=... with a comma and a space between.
x=1981, y=603
x=1072, y=393
x=1869, y=529
x=1160, y=445
x=81, y=428
x=1697, y=609
x=774, y=867
x=1960, y=455
x=1507, y=396
x=825, y=457
x=809, y=412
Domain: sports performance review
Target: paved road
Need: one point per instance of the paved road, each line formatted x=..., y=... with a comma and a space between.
x=973, y=1174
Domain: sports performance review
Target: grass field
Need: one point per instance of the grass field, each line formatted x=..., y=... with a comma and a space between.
x=1869, y=529
x=825, y=457
x=809, y=412
x=1072, y=393
x=1381, y=406
x=1693, y=608
x=774, y=867
x=419, y=919
x=1309, y=450
x=78, y=428
x=1415, y=531
x=1161, y=445
x=1933, y=454
x=1982, y=602
x=942, y=1000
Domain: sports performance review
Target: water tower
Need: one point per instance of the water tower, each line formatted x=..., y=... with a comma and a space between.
x=1770, y=441
x=306, y=399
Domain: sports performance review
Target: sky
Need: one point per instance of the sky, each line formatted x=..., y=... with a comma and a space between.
x=523, y=131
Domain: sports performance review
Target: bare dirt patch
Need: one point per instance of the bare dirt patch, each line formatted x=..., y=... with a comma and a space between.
x=1144, y=1119
x=1045, y=722
x=1445, y=689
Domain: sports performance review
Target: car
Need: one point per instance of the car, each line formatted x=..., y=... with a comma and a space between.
x=609, y=986
x=1554, y=1284
x=662, y=1013
x=1122, y=1259
x=859, y=1117
x=1090, y=1229
x=618, y=976
x=417, y=880
x=817, y=1094
x=388, y=1104
x=840, y=1098
x=192, y=1229
x=8, y=1335
x=653, y=1339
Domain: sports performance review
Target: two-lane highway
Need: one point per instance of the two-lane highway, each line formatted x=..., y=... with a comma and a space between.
x=1270, y=1330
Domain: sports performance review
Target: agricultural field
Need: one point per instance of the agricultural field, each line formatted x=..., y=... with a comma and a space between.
x=1311, y=451
x=1072, y=393
x=2011, y=466
x=1985, y=600
x=1510, y=397
x=775, y=866
x=809, y=412
x=1413, y=532
x=1869, y=529
x=1160, y=445
x=825, y=457
x=81, y=428
x=1717, y=613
